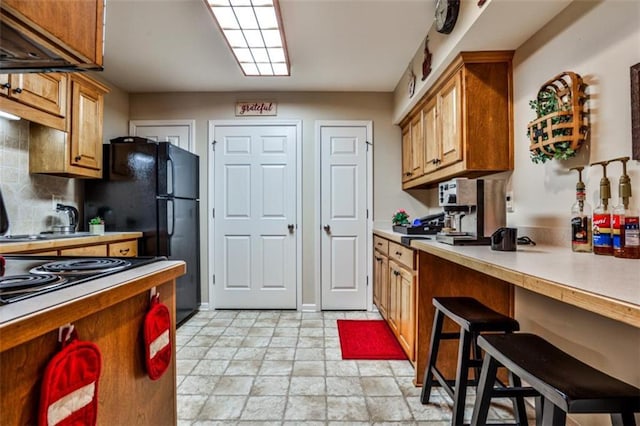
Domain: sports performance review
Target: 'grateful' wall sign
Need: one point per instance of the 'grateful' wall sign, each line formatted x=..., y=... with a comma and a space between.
x=256, y=108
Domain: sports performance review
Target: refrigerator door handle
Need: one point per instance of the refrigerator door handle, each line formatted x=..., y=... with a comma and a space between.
x=171, y=219
x=171, y=176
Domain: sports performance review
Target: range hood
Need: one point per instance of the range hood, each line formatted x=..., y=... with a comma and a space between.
x=30, y=49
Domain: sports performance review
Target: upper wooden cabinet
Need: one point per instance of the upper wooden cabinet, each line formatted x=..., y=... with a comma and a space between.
x=467, y=121
x=41, y=98
x=76, y=152
x=412, y=149
x=70, y=29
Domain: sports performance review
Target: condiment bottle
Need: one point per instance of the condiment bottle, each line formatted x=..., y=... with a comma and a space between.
x=580, y=218
x=626, y=241
x=602, y=243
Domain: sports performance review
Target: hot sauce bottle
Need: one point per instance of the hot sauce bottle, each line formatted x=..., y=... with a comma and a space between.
x=602, y=241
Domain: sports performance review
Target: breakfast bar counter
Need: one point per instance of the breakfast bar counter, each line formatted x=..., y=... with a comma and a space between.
x=604, y=285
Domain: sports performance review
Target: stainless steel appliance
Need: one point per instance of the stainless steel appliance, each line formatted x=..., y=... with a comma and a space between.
x=28, y=276
x=152, y=187
x=474, y=209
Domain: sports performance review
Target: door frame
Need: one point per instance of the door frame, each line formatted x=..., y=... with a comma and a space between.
x=368, y=124
x=211, y=196
x=133, y=124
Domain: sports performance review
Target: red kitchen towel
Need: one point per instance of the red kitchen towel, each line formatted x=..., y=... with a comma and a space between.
x=157, y=338
x=69, y=394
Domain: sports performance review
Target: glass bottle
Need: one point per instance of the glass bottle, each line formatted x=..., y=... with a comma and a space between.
x=580, y=218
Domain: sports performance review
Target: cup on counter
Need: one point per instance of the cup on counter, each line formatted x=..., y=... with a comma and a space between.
x=505, y=239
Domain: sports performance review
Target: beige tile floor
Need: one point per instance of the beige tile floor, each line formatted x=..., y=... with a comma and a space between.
x=285, y=368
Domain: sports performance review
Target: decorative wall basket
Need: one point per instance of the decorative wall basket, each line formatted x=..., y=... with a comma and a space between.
x=562, y=125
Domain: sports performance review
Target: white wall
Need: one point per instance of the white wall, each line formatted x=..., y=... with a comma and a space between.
x=307, y=107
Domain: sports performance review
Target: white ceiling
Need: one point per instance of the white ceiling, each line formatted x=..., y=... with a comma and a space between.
x=334, y=45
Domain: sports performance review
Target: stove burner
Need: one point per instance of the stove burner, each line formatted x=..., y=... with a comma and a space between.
x=28, y=283
x=81, y=266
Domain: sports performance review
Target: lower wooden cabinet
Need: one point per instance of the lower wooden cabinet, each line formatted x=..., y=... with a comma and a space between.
x=99, y=250
x=124, y=249
x=394, y=290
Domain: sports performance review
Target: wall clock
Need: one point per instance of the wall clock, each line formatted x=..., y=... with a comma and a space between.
x=446, y=15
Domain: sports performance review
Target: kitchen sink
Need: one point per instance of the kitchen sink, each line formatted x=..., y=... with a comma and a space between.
x=23, y=238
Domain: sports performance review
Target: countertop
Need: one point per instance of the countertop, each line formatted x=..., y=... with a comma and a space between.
x=605, y=285
x=20, y=320
x=60, y=243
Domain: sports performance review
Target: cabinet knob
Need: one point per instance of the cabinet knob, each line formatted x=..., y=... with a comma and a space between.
x=6, y=85
x=408, y=174
x=77, y=158
x=16, y=90
x=398, y=253
x=124, y=251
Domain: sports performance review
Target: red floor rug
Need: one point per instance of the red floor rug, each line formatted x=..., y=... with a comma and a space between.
x=368, y=339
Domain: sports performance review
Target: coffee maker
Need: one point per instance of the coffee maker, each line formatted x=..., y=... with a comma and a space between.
x=473, y=208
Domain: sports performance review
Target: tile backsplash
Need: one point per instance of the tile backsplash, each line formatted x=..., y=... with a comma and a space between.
x=28, y=197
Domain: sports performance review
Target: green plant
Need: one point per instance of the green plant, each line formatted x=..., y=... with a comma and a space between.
x=96, y=221
x=547, y=103
x=400, y=217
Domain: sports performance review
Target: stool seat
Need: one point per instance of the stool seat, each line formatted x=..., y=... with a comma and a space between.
x=564, y=383
x=569, y=383
x=473, y=316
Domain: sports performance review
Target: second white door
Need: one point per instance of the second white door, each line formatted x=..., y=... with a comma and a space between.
x=255, y=217
x=343, y=199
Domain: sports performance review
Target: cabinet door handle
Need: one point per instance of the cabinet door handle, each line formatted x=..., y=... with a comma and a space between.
x=408, y=173
x=124, y=251
x=77, y=158
x=6, y=85
x=17, y=90
x=398, y=253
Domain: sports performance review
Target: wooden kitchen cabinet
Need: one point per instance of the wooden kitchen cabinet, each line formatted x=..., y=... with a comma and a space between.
x=381, y=275
x=113, y=244
x=71, y=30
x=123, y=249
x=444, y=143
x=76, y=152
x=467, y=120
x=97, y=250
x=413, y=150
x=394, y=290
x=41, y=98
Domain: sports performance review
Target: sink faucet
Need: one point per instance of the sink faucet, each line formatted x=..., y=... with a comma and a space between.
x=73, y=215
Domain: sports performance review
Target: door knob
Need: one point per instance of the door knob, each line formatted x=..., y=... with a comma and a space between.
x=327, y=229
x=291, y=226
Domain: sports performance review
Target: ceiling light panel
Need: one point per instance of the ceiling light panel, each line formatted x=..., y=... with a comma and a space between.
x=255, y=24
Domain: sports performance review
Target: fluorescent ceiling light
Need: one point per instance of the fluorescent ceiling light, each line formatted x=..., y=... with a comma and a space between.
x=8, y=116
x=253, y=31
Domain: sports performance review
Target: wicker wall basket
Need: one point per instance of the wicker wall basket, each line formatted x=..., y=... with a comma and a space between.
x=562, y=125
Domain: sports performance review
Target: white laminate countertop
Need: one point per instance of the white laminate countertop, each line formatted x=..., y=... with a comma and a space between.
x=606, y=285
x=55, y=299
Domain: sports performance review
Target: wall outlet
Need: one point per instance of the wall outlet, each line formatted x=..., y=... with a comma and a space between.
x=509, y=201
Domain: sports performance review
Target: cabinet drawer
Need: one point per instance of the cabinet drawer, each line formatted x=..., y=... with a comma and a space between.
x=124, y=249
x=381, y=244
x=99, y=250
x=403, y=255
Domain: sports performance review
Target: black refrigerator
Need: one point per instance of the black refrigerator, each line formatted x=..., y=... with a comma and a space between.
x=152, y=187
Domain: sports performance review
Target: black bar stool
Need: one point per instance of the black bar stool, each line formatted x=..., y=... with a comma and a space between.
x=565, y=384
x=473, y=318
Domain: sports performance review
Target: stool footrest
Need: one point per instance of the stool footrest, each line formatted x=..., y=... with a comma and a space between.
x=449, y=336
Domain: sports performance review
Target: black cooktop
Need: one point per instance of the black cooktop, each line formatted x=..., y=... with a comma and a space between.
x=28, y=276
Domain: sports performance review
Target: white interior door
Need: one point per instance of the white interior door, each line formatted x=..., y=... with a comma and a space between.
x=255, y=217
x=177, y=132
x=343, y=198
